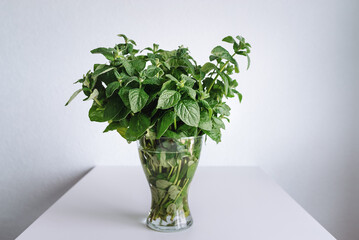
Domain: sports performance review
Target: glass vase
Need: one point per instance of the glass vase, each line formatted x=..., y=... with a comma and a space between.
x=169, y=165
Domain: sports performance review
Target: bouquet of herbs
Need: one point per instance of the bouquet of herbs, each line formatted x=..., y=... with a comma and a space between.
x=160, y=92
x=168, y=102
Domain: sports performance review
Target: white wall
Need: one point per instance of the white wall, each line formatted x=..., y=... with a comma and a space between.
x=297, y=119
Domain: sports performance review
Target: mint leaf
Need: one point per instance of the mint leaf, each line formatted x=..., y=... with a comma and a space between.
x=222, y=109
x=224, y=54
x=189, y=82
x=73, y=96
x=188, y=112
x=123, y=93
x=163, y=124
x=238, y=94
x=168, y=99
x=128, y=67
x=111, y=88
x=207, y=67
x=171, y=77
x=169, y=85
x=173, y=191
x=214, y=134
x=138, y=64
x=152, y=81
x=163, y=184
x=187, y=131
x=96, y=113
x=107, y=52
x=218, y=123
x=229, y=39
x=112, y=109
x=101, y=70
x=137, y=126
x=205, y=121
x=190, y=91
x=138, y=98
x=115, y=125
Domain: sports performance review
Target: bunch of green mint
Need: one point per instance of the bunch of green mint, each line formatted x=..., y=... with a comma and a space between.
x=162, y=93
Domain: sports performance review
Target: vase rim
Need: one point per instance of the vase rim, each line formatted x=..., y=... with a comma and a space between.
x=182, y=138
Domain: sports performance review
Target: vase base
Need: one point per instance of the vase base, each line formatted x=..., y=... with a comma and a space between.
x=174, y=226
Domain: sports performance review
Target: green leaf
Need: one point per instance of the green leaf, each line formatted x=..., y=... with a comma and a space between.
x=107, y=52
x=163, y=124
x=152, y=81
x=115, y=125
x=187, y=131
x=138, y=98
x=173, y=191
x=218, y=123
x=189, y=65
x=190, y=91
x=123, y=93
x=248, y=61
x=163, y=161
x=133, y=42
x=128, y=49
x=171, y=208
x=101, y=70
x=171, y=134
x=111, y=88
x=238, y=94
x=137, y=126
x=214, y=134
x=107, y=77
x=112, y=108
x=172, y=78
x=128, y=67
x=205, y=121
x=224, y=54
x=138, y=64
x=188, y=112
x=189, y=82
x=122, y=114
x=222, y=108
x=151, y=71
x=73, y=96
x=155, y=47
x=168, y=99
x=130, y=80
x=122, y=131
x=123, y=36
x=93, y=95
x=225, y=81
x=207, y=67
x=229, y=39
x=221, y=52
x=169, y=85
x=241, y=39
x=163, y=184
x=117, y=74
x=212, y=57
x=96, y=113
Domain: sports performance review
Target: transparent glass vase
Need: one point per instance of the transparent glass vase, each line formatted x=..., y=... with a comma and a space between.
x=169, y=165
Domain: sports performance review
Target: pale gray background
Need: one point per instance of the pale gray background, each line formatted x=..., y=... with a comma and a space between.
x=298, y=120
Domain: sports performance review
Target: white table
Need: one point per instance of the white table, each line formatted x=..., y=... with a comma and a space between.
x=226, y=203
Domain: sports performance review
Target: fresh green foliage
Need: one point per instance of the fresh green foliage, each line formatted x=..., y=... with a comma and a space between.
x=163, y=92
